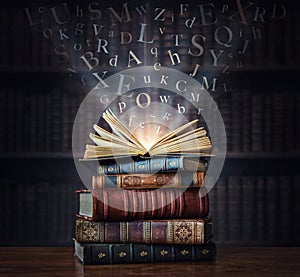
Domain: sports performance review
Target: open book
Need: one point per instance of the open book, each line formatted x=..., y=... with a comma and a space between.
x=185, y=140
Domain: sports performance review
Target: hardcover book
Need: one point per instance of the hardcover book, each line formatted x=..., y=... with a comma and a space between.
x=151, y=165
x=178, y=231
x=113, y=204
x=96, y=254
x=185, y=140
x=144, y=181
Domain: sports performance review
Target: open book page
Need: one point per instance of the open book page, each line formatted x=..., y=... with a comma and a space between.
x=120, y=129
x=186, y=139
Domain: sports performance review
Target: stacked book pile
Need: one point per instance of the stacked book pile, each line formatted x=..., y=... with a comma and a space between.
x=144, y=208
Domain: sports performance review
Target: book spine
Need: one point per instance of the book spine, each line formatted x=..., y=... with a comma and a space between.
x=236, y=121
x=286, y=208
x=257, y=122
x=142, y=181
x=6, y=38
x=261, y=205
x=225, y=110
x=191, y=231
x=149, y=204
x=246, y=125
x=248, y=204
x=2, y=117
x=290, y=123
x=94, y=254
x=56, y=122
x=235, y=206
x=296, y=208
x=268, y=123
x=168, y=164
x=222, y=206
x=10, y=118
x=278, y=121
x=272, y=208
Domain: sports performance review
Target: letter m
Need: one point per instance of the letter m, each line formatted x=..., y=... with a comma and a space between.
x=207, y=86
x=125, y=15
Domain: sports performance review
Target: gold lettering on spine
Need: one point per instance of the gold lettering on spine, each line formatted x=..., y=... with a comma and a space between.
x=170, y=232
x=151, y=230
x=200, y=232
x=123, y=232
x=147, y=232
x=194, y=233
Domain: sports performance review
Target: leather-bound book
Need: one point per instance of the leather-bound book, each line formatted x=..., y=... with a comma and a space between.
x=151, y=165
x=145, y=181
x=120, y=204
x=97, y=253
x=173, y=231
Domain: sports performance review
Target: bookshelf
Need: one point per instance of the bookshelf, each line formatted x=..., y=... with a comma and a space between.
x=37, y=92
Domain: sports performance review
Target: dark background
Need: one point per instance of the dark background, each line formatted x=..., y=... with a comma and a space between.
x=256, y=200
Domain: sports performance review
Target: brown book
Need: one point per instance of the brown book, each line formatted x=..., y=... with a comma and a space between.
x=119, y=204
x=176, y=231
x=145, y=181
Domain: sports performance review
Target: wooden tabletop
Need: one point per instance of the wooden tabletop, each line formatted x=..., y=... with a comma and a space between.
x=231, y=261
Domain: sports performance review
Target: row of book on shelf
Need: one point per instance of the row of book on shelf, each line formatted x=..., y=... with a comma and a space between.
x=43, y=121
x=261, y=122
x=244, y=209
x=257, y=209
x=271, y=43
x=36, y=212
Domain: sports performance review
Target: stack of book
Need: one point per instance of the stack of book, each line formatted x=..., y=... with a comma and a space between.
x=145, y=208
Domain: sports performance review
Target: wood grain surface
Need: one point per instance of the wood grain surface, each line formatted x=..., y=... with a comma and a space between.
x=231, y=261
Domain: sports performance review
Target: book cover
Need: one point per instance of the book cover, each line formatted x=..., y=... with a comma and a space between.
x=145, y=181
x=142, y=204
x=151, y=165
x=178, y=231
x=95, y=254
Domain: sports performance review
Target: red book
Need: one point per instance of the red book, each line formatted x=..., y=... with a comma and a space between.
x=118, y=204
